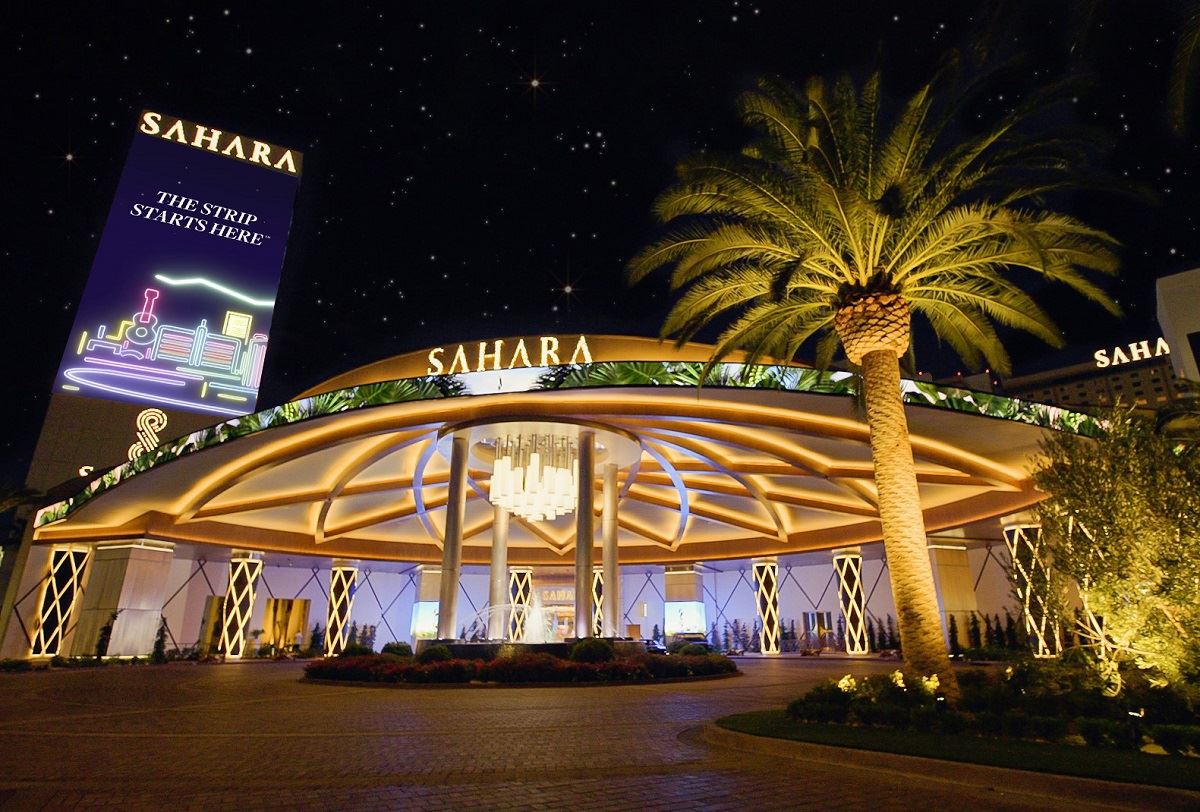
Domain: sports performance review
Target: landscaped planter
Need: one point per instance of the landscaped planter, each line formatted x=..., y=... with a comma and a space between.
x=523, y=669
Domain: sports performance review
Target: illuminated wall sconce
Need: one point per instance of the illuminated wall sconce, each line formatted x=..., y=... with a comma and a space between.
x=766, y=579
x=847, y=563
x=343, y=580
x=1031, y=574
x=245, y=567
x=59, y=595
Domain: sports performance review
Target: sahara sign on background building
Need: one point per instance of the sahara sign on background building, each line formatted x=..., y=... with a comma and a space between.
x=178, y=305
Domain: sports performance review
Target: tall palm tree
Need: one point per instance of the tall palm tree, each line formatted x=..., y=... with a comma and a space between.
x=836, y=226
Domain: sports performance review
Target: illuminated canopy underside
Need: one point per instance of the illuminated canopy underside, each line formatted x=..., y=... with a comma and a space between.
x=723, y=473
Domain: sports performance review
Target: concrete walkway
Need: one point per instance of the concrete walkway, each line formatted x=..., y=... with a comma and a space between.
x=251, y=736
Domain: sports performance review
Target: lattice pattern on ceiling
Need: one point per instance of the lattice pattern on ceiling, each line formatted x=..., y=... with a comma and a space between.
x=852, y=599
x=59, y=596
x=1032, y=576
x=342, y=582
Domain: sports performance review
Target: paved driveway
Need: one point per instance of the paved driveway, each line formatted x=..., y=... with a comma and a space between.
x=251, y=736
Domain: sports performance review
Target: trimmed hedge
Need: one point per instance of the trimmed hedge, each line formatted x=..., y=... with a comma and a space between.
x=1047, y=702
x=526, y=668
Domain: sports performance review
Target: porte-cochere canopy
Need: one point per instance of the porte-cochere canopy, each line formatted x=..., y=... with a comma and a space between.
x=759, y=461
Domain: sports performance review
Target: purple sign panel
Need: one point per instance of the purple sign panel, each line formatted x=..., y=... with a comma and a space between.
x=178, y=305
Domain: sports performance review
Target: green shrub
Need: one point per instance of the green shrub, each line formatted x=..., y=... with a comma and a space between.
x=592, y=650
x=526, y=667
x=434, y=654
x=358, y=650
x=399, y=649
x=924, y=720
x=1103, y=732
x=693, y=650
x=989, y=723
x=952, y=722
x=12, y=664
x=1048, y=728
x=676, y=646
x=1015, y=725
x=1174, y=738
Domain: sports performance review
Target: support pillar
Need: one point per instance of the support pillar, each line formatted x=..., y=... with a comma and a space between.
x=847, y=563
x=424, y=624
x=520, y=592
x=343, y=582
x=456, y=511
x=597, y=602
x=612, y=569
x=766, y=579
x=128, y=578
x=684, y=605
x=955, y=584
x=1031, y=575
x=60, y=593
x=244, y=569
x=584, y=534
x=498, y=597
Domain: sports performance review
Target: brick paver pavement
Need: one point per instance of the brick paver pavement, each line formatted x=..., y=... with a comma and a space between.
x=251, y=736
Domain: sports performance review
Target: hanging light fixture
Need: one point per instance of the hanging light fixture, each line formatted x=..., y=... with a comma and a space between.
x=536, y=476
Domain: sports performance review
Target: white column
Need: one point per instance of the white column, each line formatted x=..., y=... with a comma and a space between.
x=683, y=608
x=343, y=580
x=130, y=579
x=847, y=563
x=612, y=571
x=456, y=512
x=584, y=535
x=498, y=597
x=425, y=609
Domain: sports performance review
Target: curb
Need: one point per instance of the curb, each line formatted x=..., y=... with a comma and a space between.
x=1041, y=788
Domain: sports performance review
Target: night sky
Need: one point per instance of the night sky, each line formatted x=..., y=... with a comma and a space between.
x=476, y=170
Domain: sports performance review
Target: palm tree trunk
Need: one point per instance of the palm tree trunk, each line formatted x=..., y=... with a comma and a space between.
x=913, y=590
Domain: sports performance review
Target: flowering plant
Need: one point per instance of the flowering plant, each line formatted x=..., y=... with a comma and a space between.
x=847, y=684
x=897, y=678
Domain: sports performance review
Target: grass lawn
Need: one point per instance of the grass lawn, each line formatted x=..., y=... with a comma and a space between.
x=1087, y=762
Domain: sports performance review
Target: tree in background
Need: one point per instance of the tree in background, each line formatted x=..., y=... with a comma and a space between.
x=656, y=634
x=159, y=654
x=713, y=638
x=726, y=642
x=872, y=640
x=316, y=640
x=1122, y=526
x=974, y=637
x=1011, y=640
x=952, y=631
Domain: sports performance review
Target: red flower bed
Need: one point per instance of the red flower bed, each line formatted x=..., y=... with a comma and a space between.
x=521, y=669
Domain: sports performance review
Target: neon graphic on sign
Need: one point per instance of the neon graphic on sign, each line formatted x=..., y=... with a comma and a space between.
x=192, y=366
x=178, y=304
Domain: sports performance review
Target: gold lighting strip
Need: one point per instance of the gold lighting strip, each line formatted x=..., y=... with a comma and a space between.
x=766, y=577
x=63, y=582
x=853, y=601
x=244, y=570
x=342, y=581
x=1032, y=576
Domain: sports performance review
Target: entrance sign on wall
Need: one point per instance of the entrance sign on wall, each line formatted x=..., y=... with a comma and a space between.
x=1134, y=351
x=178, y=304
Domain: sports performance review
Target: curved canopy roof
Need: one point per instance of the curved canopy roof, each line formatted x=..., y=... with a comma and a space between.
x=763, y=461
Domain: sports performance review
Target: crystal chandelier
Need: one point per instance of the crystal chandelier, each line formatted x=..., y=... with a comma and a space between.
x=536, y=476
